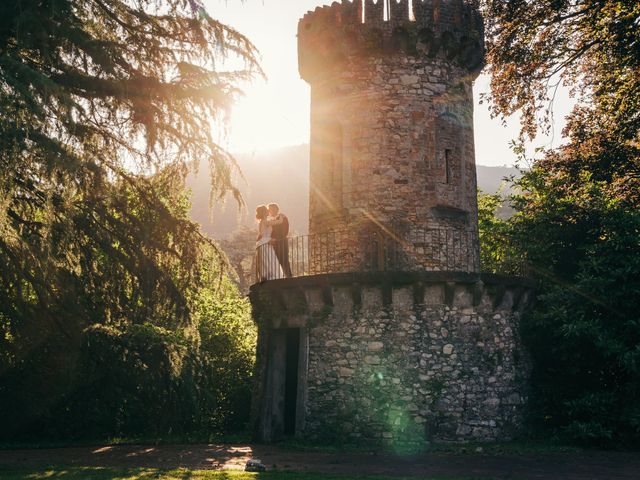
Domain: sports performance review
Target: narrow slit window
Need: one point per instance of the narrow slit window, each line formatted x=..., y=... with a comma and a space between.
x=337, y=166
x=447, y=166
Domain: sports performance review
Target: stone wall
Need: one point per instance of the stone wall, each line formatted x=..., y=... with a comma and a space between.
x=398, y=358
x=392, y=149
x=331, y=36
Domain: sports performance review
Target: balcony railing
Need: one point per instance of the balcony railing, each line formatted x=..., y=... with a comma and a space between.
x=438, y=249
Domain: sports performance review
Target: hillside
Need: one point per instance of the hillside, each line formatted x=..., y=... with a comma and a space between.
x=282, y=176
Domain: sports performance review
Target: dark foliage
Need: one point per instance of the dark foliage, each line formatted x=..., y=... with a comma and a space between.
x=577, y=218
x=104, y=104
x=592, y=46
x=140, y=381
x=580, y=225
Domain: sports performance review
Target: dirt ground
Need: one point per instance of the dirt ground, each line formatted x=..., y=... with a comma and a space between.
x=567, y=466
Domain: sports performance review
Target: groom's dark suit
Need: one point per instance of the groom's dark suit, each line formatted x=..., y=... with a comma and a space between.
x=281, y=245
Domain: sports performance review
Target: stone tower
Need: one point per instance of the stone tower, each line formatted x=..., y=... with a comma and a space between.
x=389, y=333
x=392, y=148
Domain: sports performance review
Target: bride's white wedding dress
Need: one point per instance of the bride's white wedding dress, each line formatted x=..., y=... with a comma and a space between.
x=268, y=266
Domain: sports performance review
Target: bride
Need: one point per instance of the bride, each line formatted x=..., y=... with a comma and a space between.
x=267, y=264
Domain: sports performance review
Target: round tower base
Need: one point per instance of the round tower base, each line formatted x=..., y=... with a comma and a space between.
x=395, y=359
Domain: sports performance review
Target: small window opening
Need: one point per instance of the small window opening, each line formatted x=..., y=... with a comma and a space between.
x=336, y=165
x=447, y=165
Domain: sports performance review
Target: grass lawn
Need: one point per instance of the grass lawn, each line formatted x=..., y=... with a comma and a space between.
x=102, y=473
x=195, y=439
x=534, y=447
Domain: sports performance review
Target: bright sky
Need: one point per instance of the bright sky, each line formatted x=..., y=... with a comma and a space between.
x=275, y=113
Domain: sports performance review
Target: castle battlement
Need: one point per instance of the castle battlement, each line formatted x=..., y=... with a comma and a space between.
x=330, y=36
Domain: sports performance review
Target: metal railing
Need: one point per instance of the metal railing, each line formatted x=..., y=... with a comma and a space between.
x=436, y=249
x=282, y=259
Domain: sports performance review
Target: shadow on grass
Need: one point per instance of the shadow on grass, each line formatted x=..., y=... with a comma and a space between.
x=103, y=473
x=192, y=439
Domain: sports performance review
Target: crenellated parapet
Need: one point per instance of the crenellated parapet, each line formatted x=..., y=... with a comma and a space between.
x=394, y=359
x=331, y=36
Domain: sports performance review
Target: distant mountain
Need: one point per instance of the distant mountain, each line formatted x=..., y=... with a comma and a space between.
x=282, y=176
x=492, y=179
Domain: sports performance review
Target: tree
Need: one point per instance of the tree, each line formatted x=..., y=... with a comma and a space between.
x=579, y=224
x=498, y=252
x=94, y=94
x=240, y=248
x=577, y=216
x=592, y=46
x=104, y=105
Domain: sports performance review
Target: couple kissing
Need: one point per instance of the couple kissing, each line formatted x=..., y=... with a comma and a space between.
x=272, y=248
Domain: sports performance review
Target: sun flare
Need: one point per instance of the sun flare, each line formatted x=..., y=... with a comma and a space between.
x=266, y=118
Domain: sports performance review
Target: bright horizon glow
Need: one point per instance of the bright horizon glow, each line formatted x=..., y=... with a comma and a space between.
x=275, y=113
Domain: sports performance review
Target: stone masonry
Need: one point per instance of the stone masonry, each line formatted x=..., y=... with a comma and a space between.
x=392, y=148
x=393, y=337
x=399, y=359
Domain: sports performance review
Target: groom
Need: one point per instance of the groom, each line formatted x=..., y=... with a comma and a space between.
x=280, y=224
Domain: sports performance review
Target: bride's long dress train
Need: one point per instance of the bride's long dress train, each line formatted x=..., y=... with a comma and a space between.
x=268, y=265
